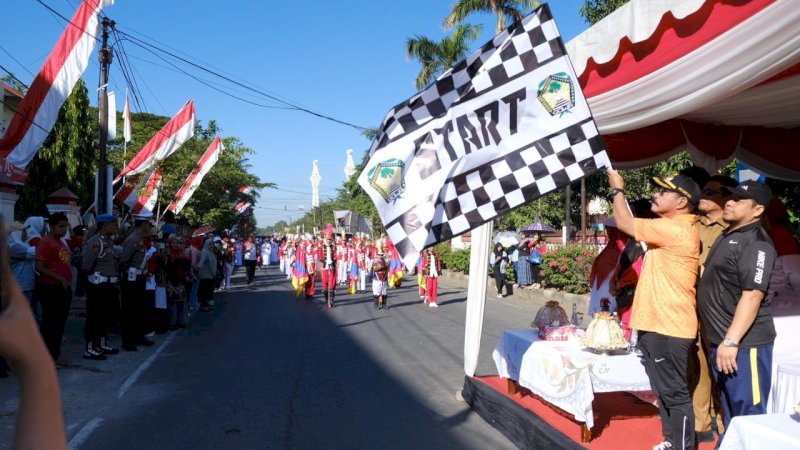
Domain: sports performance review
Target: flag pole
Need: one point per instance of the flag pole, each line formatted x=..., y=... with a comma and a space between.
x=476, y=295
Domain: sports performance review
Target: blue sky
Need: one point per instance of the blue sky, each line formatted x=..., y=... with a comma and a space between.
x=345, y=59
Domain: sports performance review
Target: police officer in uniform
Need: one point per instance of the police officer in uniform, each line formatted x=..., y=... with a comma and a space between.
x=102, y=295
x=132, y=273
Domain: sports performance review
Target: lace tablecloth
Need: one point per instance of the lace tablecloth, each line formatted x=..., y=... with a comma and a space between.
x=566, y=376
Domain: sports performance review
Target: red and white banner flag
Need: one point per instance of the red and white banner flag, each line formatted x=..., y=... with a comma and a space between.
x=126, y=120
x=141, y=198
x=244, y=204
x=177, y=131
x=39, y=109
x=209, y=158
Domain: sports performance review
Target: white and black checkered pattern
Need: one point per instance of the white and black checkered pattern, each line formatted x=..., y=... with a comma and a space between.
x=533, y=42
x=451, y=190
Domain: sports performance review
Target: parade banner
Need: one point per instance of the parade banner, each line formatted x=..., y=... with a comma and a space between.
x=177, y=131
x=501, y=128
x=38, y=112
x=126, y=120
x=142, y=197
x=207, y=161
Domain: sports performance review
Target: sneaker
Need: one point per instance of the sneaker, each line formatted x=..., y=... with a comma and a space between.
x=150, y=334
x=91, y=353
x=499, y=295
x=106, y=350
x=433, y=305
x=663, y=446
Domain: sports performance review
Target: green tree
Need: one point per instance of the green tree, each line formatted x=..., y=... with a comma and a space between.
x=67, y=157
x=437, y=57
x=593, y=11
x=506, y=10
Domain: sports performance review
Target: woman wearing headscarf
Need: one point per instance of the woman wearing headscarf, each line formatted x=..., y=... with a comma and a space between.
x=22, y=256
x=499, y=264
x=206, y=271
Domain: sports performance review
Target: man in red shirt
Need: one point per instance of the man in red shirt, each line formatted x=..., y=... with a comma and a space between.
x=53, y=288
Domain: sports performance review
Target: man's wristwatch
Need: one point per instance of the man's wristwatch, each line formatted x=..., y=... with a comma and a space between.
x=613, y=193
x=728, y=342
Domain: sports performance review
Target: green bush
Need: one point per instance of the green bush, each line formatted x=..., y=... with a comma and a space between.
x=567, y=269
x=455, y=260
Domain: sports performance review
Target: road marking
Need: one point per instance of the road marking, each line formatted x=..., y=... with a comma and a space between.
x=147, y=362
x=84, y=433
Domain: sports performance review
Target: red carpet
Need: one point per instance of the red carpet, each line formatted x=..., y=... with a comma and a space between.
x=621, y=421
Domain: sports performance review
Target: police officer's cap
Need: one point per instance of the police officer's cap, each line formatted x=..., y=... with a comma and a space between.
x=106, y=218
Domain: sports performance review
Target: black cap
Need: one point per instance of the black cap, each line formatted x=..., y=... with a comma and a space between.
x=681, y=184
x=758, y=192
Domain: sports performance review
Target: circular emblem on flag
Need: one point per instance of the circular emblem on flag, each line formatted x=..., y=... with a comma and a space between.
x=387, y=179
x=557, y=94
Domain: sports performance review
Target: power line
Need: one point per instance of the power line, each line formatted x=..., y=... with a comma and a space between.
x=68, y=21
x=24, y=67
x=13, y=76
x=226, y=78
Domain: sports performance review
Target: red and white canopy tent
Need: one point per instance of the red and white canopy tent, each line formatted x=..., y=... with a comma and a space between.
x=721, y=77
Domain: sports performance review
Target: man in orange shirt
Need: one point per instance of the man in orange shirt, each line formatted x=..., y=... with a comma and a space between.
x=664, y=303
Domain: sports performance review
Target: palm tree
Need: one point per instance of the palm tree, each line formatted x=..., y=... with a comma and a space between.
x=437, y=57
x=511, y=9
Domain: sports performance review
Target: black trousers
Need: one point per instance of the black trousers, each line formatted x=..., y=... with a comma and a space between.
x=55, y=301
x=666, y=361
x=132, y=310
x=250, y=264
x=205, y=291
x=102, y=302
x=499, y=278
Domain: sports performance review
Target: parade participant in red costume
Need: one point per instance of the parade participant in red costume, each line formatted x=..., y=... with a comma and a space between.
x=327, y=262
x=299, y=271
x=361, y=262
x=380, y=275
x=432, y=266
x=421, y=276
x=341, y=261
x=352, y=267
x=395, y=265
x=311, y=267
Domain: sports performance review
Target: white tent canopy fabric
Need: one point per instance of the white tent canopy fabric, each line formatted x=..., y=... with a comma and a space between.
x=696, y=71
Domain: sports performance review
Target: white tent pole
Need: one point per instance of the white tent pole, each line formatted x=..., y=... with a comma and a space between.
x=476, y=295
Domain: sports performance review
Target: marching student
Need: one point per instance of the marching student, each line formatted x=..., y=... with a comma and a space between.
x=432, y=267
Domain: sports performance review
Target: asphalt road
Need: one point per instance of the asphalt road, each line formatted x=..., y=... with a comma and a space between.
x=266, y=370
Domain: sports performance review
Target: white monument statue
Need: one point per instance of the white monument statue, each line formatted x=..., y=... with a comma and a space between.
x=350, y=166
x=315, y=179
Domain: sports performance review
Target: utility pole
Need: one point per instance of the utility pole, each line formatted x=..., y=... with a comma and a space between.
x=583, y=211
x=105, y=55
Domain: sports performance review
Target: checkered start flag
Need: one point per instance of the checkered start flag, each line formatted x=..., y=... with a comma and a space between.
x=501, y=128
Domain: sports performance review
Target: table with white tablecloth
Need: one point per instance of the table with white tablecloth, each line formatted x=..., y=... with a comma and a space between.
x=786, y=315
x=566, y=376
x=763, y=431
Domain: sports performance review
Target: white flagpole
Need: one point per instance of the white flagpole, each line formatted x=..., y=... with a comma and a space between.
x=476, y=295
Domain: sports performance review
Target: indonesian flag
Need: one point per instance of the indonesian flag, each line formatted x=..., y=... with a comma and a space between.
x=126, y=119
x=243, y=205
x=177, y=131
x=39, y=109
x=142, y=197
x=208, y=160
